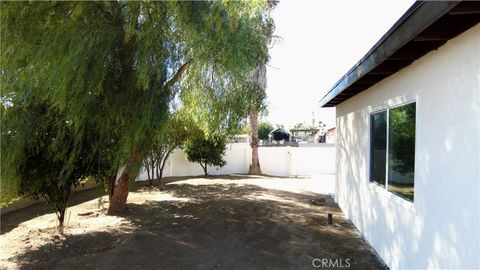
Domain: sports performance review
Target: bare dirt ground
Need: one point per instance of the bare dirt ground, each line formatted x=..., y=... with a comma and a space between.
x=234, y=222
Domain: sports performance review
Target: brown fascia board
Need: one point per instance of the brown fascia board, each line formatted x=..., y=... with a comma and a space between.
x=417, y=18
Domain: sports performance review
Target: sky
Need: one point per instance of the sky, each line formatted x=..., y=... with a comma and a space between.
x=320, y=41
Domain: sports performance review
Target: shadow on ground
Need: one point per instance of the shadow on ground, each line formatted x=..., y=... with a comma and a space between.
x=10, y=220
x=218, y=226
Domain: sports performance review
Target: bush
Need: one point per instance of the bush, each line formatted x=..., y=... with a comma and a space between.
x=206, y=151
x=263, y=130
x=42, y=158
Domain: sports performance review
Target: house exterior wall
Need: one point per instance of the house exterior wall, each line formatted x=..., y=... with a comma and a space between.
x=441, y=228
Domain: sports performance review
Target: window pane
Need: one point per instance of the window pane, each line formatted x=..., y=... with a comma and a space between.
x=401, y=150
x=378, y=147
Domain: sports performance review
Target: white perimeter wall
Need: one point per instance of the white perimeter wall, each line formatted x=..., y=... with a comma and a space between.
x=441, y=229
x=277, y=161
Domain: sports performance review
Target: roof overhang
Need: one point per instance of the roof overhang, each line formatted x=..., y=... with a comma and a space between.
x=423, y=28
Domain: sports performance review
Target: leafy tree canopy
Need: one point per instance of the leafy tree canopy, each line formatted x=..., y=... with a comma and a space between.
x=114, y=67
x=37, y=167
x=174, y=134
x=123, y=55
x=207, y=151
x=264, y=129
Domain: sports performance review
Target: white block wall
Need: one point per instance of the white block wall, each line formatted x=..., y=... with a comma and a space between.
x=440, y=230
x=276, y=161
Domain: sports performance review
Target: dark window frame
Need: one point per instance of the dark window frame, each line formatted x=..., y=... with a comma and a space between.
x=372, y=175
x=386, y=109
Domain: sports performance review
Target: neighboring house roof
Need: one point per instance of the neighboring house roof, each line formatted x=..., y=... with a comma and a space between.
x=278, y=130
x=279, y=134
x=304, y=130
x=424, y=27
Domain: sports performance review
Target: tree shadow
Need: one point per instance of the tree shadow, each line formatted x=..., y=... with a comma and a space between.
x=236, y=177
x=217, y=226
x=13, y=219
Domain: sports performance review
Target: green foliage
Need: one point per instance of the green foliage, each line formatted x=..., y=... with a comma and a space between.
x=304, y=126
x=402, y=138
x=218, y=100
x=264, y=129
x=207, y=151
x=121, y=55
x=113, y=70
x=175, y=132
x=36, y=144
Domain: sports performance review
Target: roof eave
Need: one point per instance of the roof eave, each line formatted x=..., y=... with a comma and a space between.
x=417, y=18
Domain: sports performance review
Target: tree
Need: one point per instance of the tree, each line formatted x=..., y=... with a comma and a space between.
x=206, y=151
x=41, y=156
x=299, y=125
x=304, y=126
x=174, y=134
x=127, y=58
x=264, y=130
x=259, y=84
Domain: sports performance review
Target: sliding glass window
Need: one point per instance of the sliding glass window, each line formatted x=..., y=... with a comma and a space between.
x=392, y=160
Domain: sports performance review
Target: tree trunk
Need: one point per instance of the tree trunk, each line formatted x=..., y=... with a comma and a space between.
x=111, y=184
x=205, y=169
x=160, y=181
x=255, y=165
x=157, y=168
x=152, y=163
x=148, y=171
x=260, y=78
x=161, y=165
x=59, y=202
x=61, y=218
x=118, y=200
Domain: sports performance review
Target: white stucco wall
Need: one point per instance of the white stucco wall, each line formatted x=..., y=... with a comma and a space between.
x=440, y=230
x=275, y=161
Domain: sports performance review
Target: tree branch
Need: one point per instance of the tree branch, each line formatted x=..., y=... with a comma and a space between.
x=166, y=157
x=177, y=75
